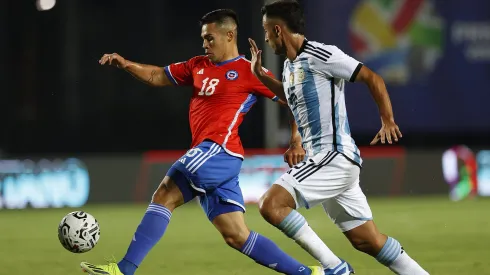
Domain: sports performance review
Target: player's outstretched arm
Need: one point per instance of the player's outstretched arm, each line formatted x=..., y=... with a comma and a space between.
x=149, y=74
x=389, y=130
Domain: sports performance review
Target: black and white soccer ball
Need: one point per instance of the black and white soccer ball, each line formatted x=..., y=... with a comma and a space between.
x=78, y=232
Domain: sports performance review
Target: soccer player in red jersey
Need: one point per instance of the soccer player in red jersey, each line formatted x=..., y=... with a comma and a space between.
x=224, y=91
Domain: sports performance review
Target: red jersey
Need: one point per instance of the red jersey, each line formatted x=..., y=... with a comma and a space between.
x=223, y=93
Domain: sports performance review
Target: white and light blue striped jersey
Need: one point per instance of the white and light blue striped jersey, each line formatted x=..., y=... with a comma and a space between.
x=314, y=84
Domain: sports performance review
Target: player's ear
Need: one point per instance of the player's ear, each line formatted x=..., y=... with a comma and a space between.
x=277, y=30
x=230, y=35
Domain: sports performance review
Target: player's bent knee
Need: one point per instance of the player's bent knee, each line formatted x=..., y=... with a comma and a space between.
x=360, y=244
x=232, y=228
x=369, y=246
x=236, y=239
x=273, y=206
x=268, y=207
x=168, y=194
x=366, y=239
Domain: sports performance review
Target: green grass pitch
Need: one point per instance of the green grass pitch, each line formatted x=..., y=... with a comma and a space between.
x=445, y=237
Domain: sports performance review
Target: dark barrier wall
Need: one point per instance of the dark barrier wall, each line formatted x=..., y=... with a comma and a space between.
x=68, y=181
x=391, y=171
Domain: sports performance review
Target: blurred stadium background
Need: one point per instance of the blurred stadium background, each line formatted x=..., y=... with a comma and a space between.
x=75, y=135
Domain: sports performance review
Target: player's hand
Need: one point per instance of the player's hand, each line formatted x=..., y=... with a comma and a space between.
x=256, y=63
x=113, y=59
x=294, y=155
x=389, y=132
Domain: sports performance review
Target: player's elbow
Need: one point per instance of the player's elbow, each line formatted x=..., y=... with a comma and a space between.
x=377, y=80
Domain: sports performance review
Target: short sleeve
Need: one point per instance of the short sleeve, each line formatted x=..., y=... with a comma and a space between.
x=260, y=89
x=334, y=62
x=180, y=73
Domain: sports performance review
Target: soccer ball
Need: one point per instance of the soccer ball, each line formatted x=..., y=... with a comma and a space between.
x=78, y=232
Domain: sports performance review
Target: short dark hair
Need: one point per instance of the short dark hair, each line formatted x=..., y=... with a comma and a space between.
x=288, y=11
x=219, y=16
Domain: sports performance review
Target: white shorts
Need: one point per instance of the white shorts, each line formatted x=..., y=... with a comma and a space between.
x=332, y=180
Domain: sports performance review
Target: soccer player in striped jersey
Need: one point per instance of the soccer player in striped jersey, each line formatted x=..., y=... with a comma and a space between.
x=313, y=83
x=224, y=91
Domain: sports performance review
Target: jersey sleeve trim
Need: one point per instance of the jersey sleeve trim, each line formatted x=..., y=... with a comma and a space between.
x=355, y=73
x=275, y=98
x=169, y=75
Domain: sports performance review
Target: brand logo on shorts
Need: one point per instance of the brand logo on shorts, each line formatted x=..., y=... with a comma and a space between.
x=231, y=75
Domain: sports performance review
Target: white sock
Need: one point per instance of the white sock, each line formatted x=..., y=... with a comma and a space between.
x=296, y=228
x=404, y=265
x=397, y=260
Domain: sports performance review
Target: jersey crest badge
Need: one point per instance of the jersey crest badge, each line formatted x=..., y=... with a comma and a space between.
x=301, y=75
x=296, y=77
x=231, y=75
